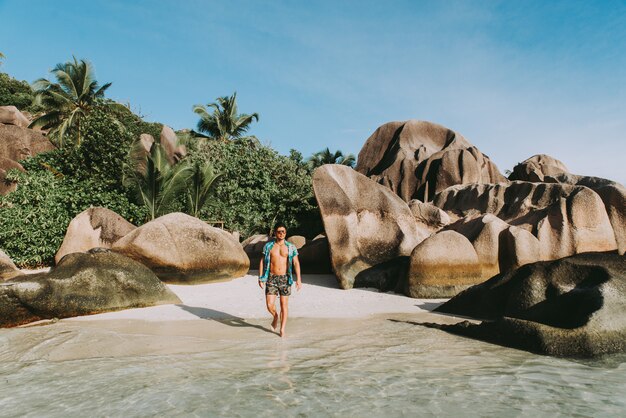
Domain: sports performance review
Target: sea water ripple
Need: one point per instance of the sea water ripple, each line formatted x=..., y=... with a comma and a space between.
x=373, y=367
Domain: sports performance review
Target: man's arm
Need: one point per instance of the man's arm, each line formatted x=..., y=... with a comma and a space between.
x=296, y=266
x=261, y=271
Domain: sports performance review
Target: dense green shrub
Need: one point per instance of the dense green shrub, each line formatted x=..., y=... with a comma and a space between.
x=15, y=93
x=258, y=187
x=62, y=183
x=34, y=218
x=101, y=155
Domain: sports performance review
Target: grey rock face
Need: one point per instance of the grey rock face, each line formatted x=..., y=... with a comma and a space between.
x=92, y=228
x=569, y=307
x=182, y=249
x=565, y=219
x=17, y=143
x=543, y=168
x=8, y=270
x=10, y=115
x=81, y=284
x=442, y=265
x=366, y=223
x=418, y=159
x=537, y=168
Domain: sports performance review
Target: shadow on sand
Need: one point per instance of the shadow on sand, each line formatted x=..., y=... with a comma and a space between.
x=223, y=317
x=430, y=306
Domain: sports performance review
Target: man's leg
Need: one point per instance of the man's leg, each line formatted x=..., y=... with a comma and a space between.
x=270, y=301
x=284, y=311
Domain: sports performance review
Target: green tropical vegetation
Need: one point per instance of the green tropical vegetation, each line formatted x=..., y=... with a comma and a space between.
x=325, y=156
x=226, y=175
x=68, y=101
x=16, y=93
x=224, y=123
x=200, y=187
x=157, y=182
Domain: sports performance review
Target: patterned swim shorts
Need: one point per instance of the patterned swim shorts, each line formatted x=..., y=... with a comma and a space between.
x=278, y=285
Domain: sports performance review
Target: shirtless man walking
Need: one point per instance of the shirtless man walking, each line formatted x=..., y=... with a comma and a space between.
x=280, y=258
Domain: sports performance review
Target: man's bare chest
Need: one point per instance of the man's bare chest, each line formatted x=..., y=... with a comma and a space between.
x=279, y=251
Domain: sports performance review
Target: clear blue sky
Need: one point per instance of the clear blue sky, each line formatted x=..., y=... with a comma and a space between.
x=516, y=78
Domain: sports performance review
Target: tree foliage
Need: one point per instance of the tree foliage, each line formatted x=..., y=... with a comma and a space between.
x=158, y=183
x=200, y=187
x=68, y=101
x=34, y=218
x=257, y=187
x=224, y=123
x=101, y=156
x=16, y=93
x=325, y=156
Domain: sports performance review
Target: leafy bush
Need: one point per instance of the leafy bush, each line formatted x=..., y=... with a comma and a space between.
x=258, y=186
x=62, y=183
x=34, y=218
x=15, y=93
x=101, y=155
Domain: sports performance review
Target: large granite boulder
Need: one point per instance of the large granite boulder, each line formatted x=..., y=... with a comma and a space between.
x=81, y=284
x=428, y=216
x=543, y=168
x=8, y=270
x=418, y=159
x=537, y=168
x=93, y=228
x=613, y=195
x=10, y=115
x=442, y=265
x=569, y=307
x=298, y=240
x=366, y=223
x=314, y=257
x=182, y=249
x=445, y=264
x=17, y=143
x=174, y=151
x=565, y=219
x=253, y=247
x=484, y=232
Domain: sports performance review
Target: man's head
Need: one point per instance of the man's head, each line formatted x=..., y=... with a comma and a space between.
x=280, y=230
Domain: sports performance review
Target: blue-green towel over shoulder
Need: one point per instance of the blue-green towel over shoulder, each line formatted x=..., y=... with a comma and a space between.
x=293, y=251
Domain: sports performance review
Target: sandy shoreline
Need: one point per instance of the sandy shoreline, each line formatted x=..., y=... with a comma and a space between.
x=242, y=298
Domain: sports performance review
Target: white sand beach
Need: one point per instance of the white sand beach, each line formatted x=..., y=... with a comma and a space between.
x=320, y=297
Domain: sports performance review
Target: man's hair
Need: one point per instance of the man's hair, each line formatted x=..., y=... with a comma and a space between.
x=279, y=225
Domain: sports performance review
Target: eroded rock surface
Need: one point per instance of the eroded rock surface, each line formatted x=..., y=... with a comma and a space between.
x=81, y=284
x=93, y=228
x=366, y=223
x=17, y=143
x=8, y=270
x=182, y=249
x=569, y=307
x=565, y=219
x=418, y=159
x=442, y=265
x=10, y=115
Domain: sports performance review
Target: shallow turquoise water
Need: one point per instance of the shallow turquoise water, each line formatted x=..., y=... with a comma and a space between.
x=353, y=368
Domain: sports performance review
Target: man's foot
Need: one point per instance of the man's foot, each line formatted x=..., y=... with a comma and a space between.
x=282, y=333
x=275, y=322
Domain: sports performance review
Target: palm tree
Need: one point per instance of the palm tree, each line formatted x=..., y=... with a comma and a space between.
x=224, y=123
x=202, y=180
x=327, y=157
x=158, y=183
x=68, y=101
x=1, y=57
